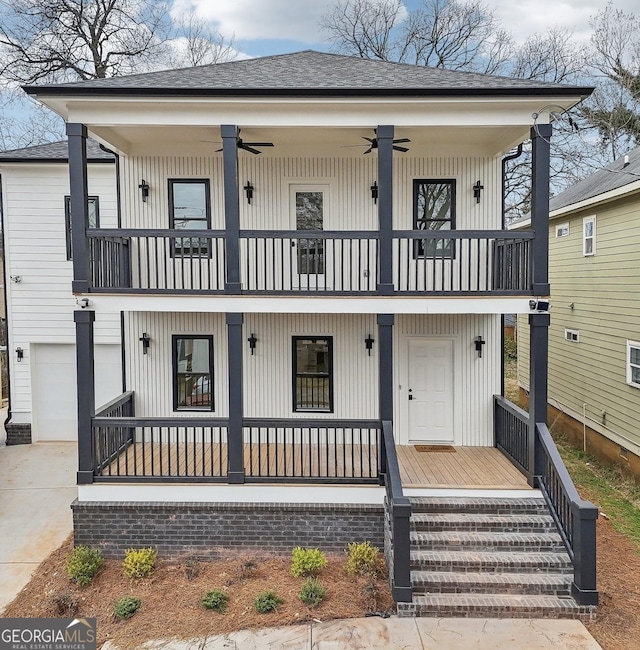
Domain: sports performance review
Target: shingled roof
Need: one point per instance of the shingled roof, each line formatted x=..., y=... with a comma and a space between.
x=309, y=73
x=54, y=152
x=609, y=178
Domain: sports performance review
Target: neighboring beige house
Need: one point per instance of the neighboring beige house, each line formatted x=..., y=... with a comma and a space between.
x=594, y=339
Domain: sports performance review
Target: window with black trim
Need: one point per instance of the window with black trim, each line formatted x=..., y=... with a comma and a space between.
x=313, y=373
x=192, y=372
x=434, y=210
x=93, y=215
x=190, y=209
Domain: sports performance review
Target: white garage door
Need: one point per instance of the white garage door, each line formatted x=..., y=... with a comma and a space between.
x=53, y=387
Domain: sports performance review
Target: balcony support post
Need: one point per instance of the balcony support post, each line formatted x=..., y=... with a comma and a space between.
x=384, y=135
x=385, y=378
x=538, y=365
x=540, y=161
x=230, y=134
x=85, y=365
x=79, y=205
x=235, y=444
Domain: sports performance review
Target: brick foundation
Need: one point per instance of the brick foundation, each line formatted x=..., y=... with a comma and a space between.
x=211, y=529
x=18, y=433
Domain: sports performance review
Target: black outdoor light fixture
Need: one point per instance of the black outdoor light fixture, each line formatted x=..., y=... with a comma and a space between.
x=248, y=190
x=252, y=343
x=146, y=341
x=144, y=190
x=20, y=354
x=479, y=342
x=368, y=342
x=374, y=191
x=477, y=188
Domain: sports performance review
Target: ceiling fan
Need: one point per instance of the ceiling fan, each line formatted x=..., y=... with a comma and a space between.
x=247, y=146
x=373, y=144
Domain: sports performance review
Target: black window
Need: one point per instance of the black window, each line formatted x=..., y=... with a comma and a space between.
x=93, y=213
x=434, y=210
x=192, y=373
x=313, y=373
x=190, y=209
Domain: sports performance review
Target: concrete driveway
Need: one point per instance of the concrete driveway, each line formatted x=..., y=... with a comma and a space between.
x=37, y=486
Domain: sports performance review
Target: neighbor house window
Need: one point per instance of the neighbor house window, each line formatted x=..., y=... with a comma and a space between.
x=93, y=214
x=572, y=335
x=434, y=210
x=633, y=363
x=190, y=209
x=589, y=236
x=192, y=373
x=562, y=230
x=313, y=373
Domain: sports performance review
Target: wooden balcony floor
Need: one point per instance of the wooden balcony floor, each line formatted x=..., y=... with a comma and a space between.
x=465, y=467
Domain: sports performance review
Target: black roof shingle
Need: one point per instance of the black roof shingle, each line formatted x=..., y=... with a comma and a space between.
x=54, y=152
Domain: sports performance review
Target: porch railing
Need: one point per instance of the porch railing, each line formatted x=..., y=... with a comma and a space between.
x=456, y=262
x=511, y=425
x=109, y=442
x=398, y=511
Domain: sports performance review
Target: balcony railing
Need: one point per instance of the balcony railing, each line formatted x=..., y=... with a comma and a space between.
x=456, y=262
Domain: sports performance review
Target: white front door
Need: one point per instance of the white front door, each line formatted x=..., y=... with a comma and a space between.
x=430, y=391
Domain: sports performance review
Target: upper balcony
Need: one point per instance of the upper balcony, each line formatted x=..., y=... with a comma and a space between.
x=415, y=262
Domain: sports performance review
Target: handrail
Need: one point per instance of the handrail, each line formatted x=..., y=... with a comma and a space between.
x=512, y=434
x=96, y=233
x=400, y=513
x=114, y=403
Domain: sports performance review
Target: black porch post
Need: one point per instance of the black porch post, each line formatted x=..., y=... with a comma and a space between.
x=538, y=363
x=385, y=375
x=229, y=134
x=79, y=193
x=384, y=135
x=84, y=320
x=234, y=433
x=540, y=140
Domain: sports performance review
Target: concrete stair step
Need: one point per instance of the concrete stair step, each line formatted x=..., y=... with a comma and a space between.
x=455, y=540
x=495, y=606
x=447, y=582
x=434, y=522
x=480, y=505
x=491, y=561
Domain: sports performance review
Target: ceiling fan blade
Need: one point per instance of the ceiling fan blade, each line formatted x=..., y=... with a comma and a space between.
x=369, y=140
x=246, y=147
x=401, y=140
x=259, y=144
x=369, y=150
x=404, y=149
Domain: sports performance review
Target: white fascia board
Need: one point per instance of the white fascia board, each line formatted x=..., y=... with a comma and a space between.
x=214, y=493
x=606, y=197
x=291, y=305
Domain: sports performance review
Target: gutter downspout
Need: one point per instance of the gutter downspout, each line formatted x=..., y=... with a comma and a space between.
x=505, y=160
x=6, y=320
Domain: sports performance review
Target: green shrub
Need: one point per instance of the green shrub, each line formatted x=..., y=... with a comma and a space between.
x=510, y=348
x=126, y=607
x=267, y=602
x=83, y=564
x=216, y=600
x=307, y=561
x=312, y=592
x=139, y=563
x=363, y=559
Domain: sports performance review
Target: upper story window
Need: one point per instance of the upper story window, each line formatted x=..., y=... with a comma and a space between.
x=192, y=373
x=313, y=373
x=572, y=335
x=93, y=214
x=434, y=209
x=633, y=363
x=190, y=209
x=589, y=236
x=562, y=230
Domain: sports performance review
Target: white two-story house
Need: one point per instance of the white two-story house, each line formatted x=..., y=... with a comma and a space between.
x=307, y=272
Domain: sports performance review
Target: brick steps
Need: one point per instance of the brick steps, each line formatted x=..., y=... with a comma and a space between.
x=434, y=522
x=454, y=540
x=480, y=506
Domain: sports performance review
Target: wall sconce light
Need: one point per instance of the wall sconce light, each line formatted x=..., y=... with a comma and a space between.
x=252, y=343
x=374, y=191
x=146, y=341
x=479, y=342
x=368, y=342
x=144, y=190
x=477, y=188
x=20, y=354
x=248, y=190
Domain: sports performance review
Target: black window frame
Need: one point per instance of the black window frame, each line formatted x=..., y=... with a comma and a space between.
x=174, y=371
x=449, y=251
x=203, y=250
x=329, y=374
x=67, y=220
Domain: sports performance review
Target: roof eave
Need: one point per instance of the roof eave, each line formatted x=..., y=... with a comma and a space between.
x=22, y=161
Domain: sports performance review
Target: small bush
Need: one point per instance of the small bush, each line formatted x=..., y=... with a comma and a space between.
x=64, y=605
x=510, y=348
x=139, y=563
x=126, y=607
x=312, y=592
x=216, y=600
x=307, y=561
x=363, y=559
x=267, y=602
x=192, y=568
x=83, y=564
